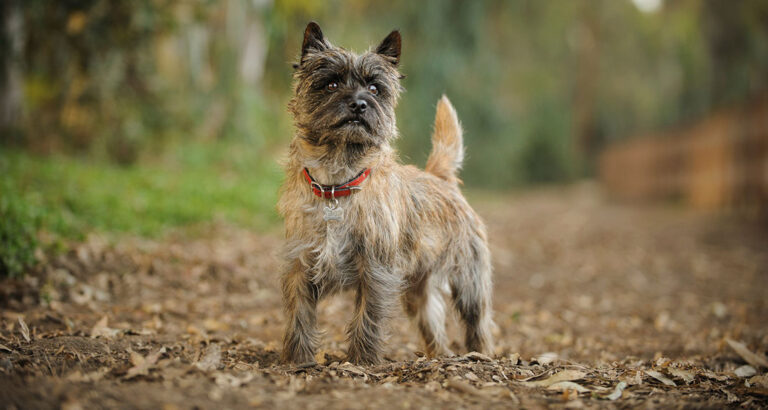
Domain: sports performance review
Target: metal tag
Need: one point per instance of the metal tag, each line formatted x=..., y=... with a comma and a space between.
x=333, y=214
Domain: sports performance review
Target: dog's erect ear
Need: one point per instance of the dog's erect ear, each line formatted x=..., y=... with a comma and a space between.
x=313, y=39
x=390, y=47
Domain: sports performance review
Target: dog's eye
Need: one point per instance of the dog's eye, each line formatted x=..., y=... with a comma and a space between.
x=332, y=86
x=373, y=89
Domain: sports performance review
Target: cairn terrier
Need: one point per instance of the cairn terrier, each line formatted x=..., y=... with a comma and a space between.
x=356, y=219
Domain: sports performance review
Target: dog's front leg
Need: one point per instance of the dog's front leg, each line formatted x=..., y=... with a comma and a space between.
x=300, y=296
x=376, y=291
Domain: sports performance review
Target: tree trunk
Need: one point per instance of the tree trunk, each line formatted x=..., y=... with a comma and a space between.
x=11, y=39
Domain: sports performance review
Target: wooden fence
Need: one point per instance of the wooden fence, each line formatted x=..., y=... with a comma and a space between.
x=720, y=162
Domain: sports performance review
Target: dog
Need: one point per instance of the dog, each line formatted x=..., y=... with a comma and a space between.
x=357, y=219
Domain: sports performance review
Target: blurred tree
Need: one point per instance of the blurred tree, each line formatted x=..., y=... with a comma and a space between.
x=587, y=44
x=11, y=38
x=737, y=38
x=534, y=82
x=86, y=75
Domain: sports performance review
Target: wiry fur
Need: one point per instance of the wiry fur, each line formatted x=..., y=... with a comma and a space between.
x=407, y=235
x=447, y=143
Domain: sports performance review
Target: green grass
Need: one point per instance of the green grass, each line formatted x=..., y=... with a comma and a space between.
x=196, y=184
x=18, y=225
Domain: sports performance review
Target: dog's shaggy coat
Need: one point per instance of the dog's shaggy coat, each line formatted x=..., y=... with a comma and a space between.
x=407, y=235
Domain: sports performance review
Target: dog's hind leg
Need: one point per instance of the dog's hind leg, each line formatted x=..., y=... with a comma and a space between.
x=425, y=305
x=471, y=292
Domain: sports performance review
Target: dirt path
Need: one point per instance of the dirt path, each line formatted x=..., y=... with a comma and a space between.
x=599, y=295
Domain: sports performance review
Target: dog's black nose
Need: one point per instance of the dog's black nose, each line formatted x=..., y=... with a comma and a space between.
x=358, y=106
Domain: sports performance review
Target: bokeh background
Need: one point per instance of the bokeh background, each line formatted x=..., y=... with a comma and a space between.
x=140, y=116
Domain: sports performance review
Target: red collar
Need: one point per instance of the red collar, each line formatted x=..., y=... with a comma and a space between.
x=335, y=191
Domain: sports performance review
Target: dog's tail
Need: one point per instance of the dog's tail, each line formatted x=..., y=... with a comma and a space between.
x=447, y=147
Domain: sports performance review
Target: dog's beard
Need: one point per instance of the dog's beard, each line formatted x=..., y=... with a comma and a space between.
x=353, y=131
x=343, y=129
x=354, y=123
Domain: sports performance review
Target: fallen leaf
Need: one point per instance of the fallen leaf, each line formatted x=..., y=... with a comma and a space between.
x=745, y=371
x=632, y=378
x=211, y=359
x=497, y=391
x=545, y=358
x=72, y=404
x=213, y=325
x=6, y=348
x=616, y=393
x=24, y=329
x=77, y=376
x=660, y=377
x=719, y=310
x=761, y=380
x=684, y=375
x=100, y=329
x=746, y=354
x=306, y=365
x=471, y=376
x=574, y=404
x=229, y=380
x=563, y=376
x=732, y=398
x=194, y=330
x=272, y=346
x=320, y=358
x=83, y=294
x=562, y=386
x=714, y=376
x=242, y=366
x=351, y=368
x=392, y=379
x=141, y=364
x=431, y=386
x=478, y=357
x=463, y=387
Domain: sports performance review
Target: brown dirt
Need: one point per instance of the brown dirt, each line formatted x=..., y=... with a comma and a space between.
x=595, y=292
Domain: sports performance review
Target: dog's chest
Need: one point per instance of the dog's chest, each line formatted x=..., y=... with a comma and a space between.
x=337, y=243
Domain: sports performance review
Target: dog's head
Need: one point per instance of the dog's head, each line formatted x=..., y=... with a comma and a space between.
x=341, y=98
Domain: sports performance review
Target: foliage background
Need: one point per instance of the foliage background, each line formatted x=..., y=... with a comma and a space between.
x=143, y=115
